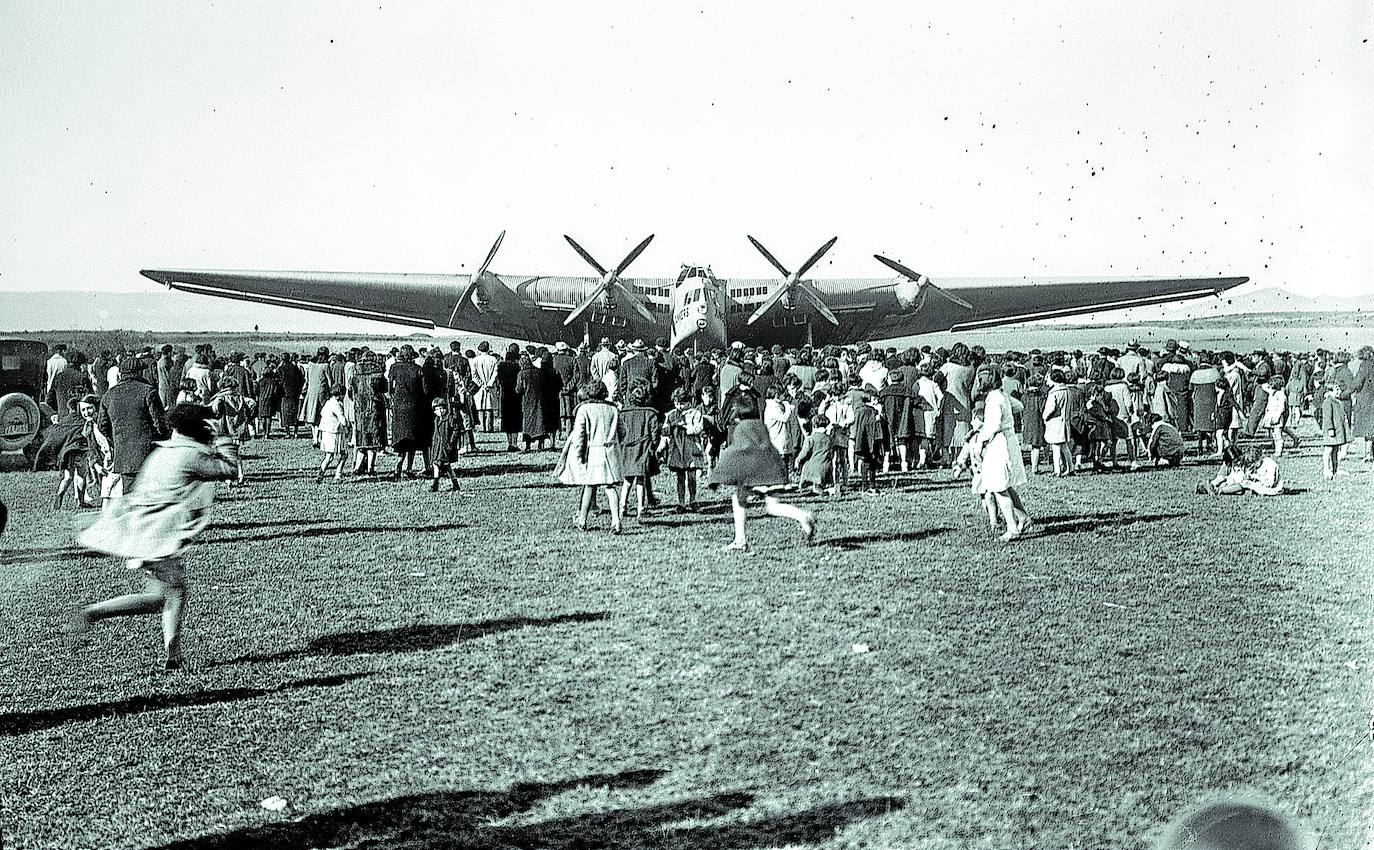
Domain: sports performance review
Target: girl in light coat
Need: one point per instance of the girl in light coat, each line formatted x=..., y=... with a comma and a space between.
x=590, y=456
x=334, y=431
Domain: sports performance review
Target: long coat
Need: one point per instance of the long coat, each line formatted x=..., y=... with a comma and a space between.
x=131, y=416
x=316, y=390
x=553, y=386
x=531, y=387
x=637, y=434
x=368, y=390
x=1203, y=384
x=269, y=394
x=1331, y=420
x=590, y=456
x=292, y=383
x=1363, y=394
x=507, y=374
x=412, y=418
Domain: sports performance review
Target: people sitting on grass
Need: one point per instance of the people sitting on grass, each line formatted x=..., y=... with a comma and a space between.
x=1245, y=472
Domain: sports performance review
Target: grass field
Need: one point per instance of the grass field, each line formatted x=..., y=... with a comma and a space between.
x=420, y=670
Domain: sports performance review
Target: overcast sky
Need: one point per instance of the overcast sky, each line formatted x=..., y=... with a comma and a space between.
x=1158, y=138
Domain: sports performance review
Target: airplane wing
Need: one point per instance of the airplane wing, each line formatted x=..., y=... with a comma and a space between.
x=529, y=307
x=963, y=304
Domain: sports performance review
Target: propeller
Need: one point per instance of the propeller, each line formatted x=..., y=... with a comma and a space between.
x=610, y=281
x=916, y=299
x=792, y=284
x=475, y=280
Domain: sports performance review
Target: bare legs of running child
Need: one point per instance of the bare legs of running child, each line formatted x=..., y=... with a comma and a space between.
x=773, y=506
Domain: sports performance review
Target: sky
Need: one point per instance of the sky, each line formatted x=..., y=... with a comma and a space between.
x=1064, y=138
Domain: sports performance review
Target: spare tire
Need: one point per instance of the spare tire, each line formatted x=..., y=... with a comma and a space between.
x=20, y=421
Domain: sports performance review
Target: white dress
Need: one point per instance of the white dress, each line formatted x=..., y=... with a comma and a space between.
x=334, y=427
x=1002, y=466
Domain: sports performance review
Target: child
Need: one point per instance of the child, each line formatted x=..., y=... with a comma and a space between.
x=65, y=447
x=333, y=432
x=971, y=457
x=233, y=415
x=167, y=507
x=637, y=435
x=1335, y=430
x=841, y=416
x=1244, y=473
x=869, y=438
x=445, y=445
x=1276, y=415
x=1165, y=445
x=189, y=394
x=784, y=429
x=814, y=458
x=750, y=463
x=683, y=446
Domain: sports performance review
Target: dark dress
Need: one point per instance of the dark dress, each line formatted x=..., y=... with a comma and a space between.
x=1033, y=417
x=292, y=385
x=446, y=441
x=507, y=374
x=750, y=459
x=531, y=387
x=638, y=432
x=369, y=408
x=269, y=394
x=412, y=419
x=553, y=386
x=899, y=407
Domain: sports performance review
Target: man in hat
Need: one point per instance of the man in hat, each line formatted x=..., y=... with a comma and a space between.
x=636, y=368
x=603, y=359
x=131, y=417
x=565, y=366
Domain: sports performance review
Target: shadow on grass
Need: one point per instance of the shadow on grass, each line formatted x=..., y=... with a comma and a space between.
x=24, y=556
x=421, y=637
x=334, y=530
x=272, y=523
x=859, y=541
x=1070, y=524
x=472, y=820
x=21, y=723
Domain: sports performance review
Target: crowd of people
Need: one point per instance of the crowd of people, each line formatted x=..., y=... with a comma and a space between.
x=754, y=421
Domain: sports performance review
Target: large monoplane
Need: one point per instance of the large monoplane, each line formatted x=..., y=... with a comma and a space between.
x=697, y=308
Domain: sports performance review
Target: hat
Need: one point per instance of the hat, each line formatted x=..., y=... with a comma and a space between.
x=1104, y=351
x=439, y=402
x=638, y=345
x=605, y=340
x=1133, y=345
x=736, y=344
x=130, y=366
x=1183, y=344
x=560, y=346
x=1171, y=345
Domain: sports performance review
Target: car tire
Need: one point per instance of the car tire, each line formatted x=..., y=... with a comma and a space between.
x=20, y=421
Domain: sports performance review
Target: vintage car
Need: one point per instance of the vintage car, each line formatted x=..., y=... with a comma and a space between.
x=23, y=379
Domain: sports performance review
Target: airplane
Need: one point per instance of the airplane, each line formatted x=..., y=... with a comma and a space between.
x=696, y=308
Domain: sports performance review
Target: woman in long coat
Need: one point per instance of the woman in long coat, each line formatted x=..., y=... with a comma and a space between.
x=292, y=384
x=591, y=458
x=1363, y=395
x=530, y=386
x=900, y=404
x=1203, y=385
x=316, y=391
x=268, y=395
x=512, y=415
x=553, y=388
x=368, y=388
x=412, y=417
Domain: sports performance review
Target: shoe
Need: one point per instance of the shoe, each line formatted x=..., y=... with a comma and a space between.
x=1027, y=527
x=1010, y=536
x=173, y=663
x=434, y=486
x=319, y=478
x=453, y=486
x=615, y=529
x=580, y=524
x=735, y=546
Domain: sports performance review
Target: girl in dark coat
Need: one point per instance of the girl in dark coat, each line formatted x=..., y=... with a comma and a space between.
x=292, y=385
x=899, y=409
x=368, y=389
x=531, y=388
x=507, y=374
x=750, y=463
x=637, y=435
x=268, y=397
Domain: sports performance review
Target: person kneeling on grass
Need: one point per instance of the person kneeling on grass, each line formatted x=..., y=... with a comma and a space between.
x=445, y=445
x=167, y=507
x=1165, y=445
x=749, y=463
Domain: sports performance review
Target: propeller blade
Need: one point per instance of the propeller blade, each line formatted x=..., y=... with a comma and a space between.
x=632, y=297
x=769, y=257
x=806, y=266
x=630, y=257
x=481, y=270
x=897, y=267
x=768, y=304
x=588, y=257
x=819, y=303
x=585, y=305
x=945, y=293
